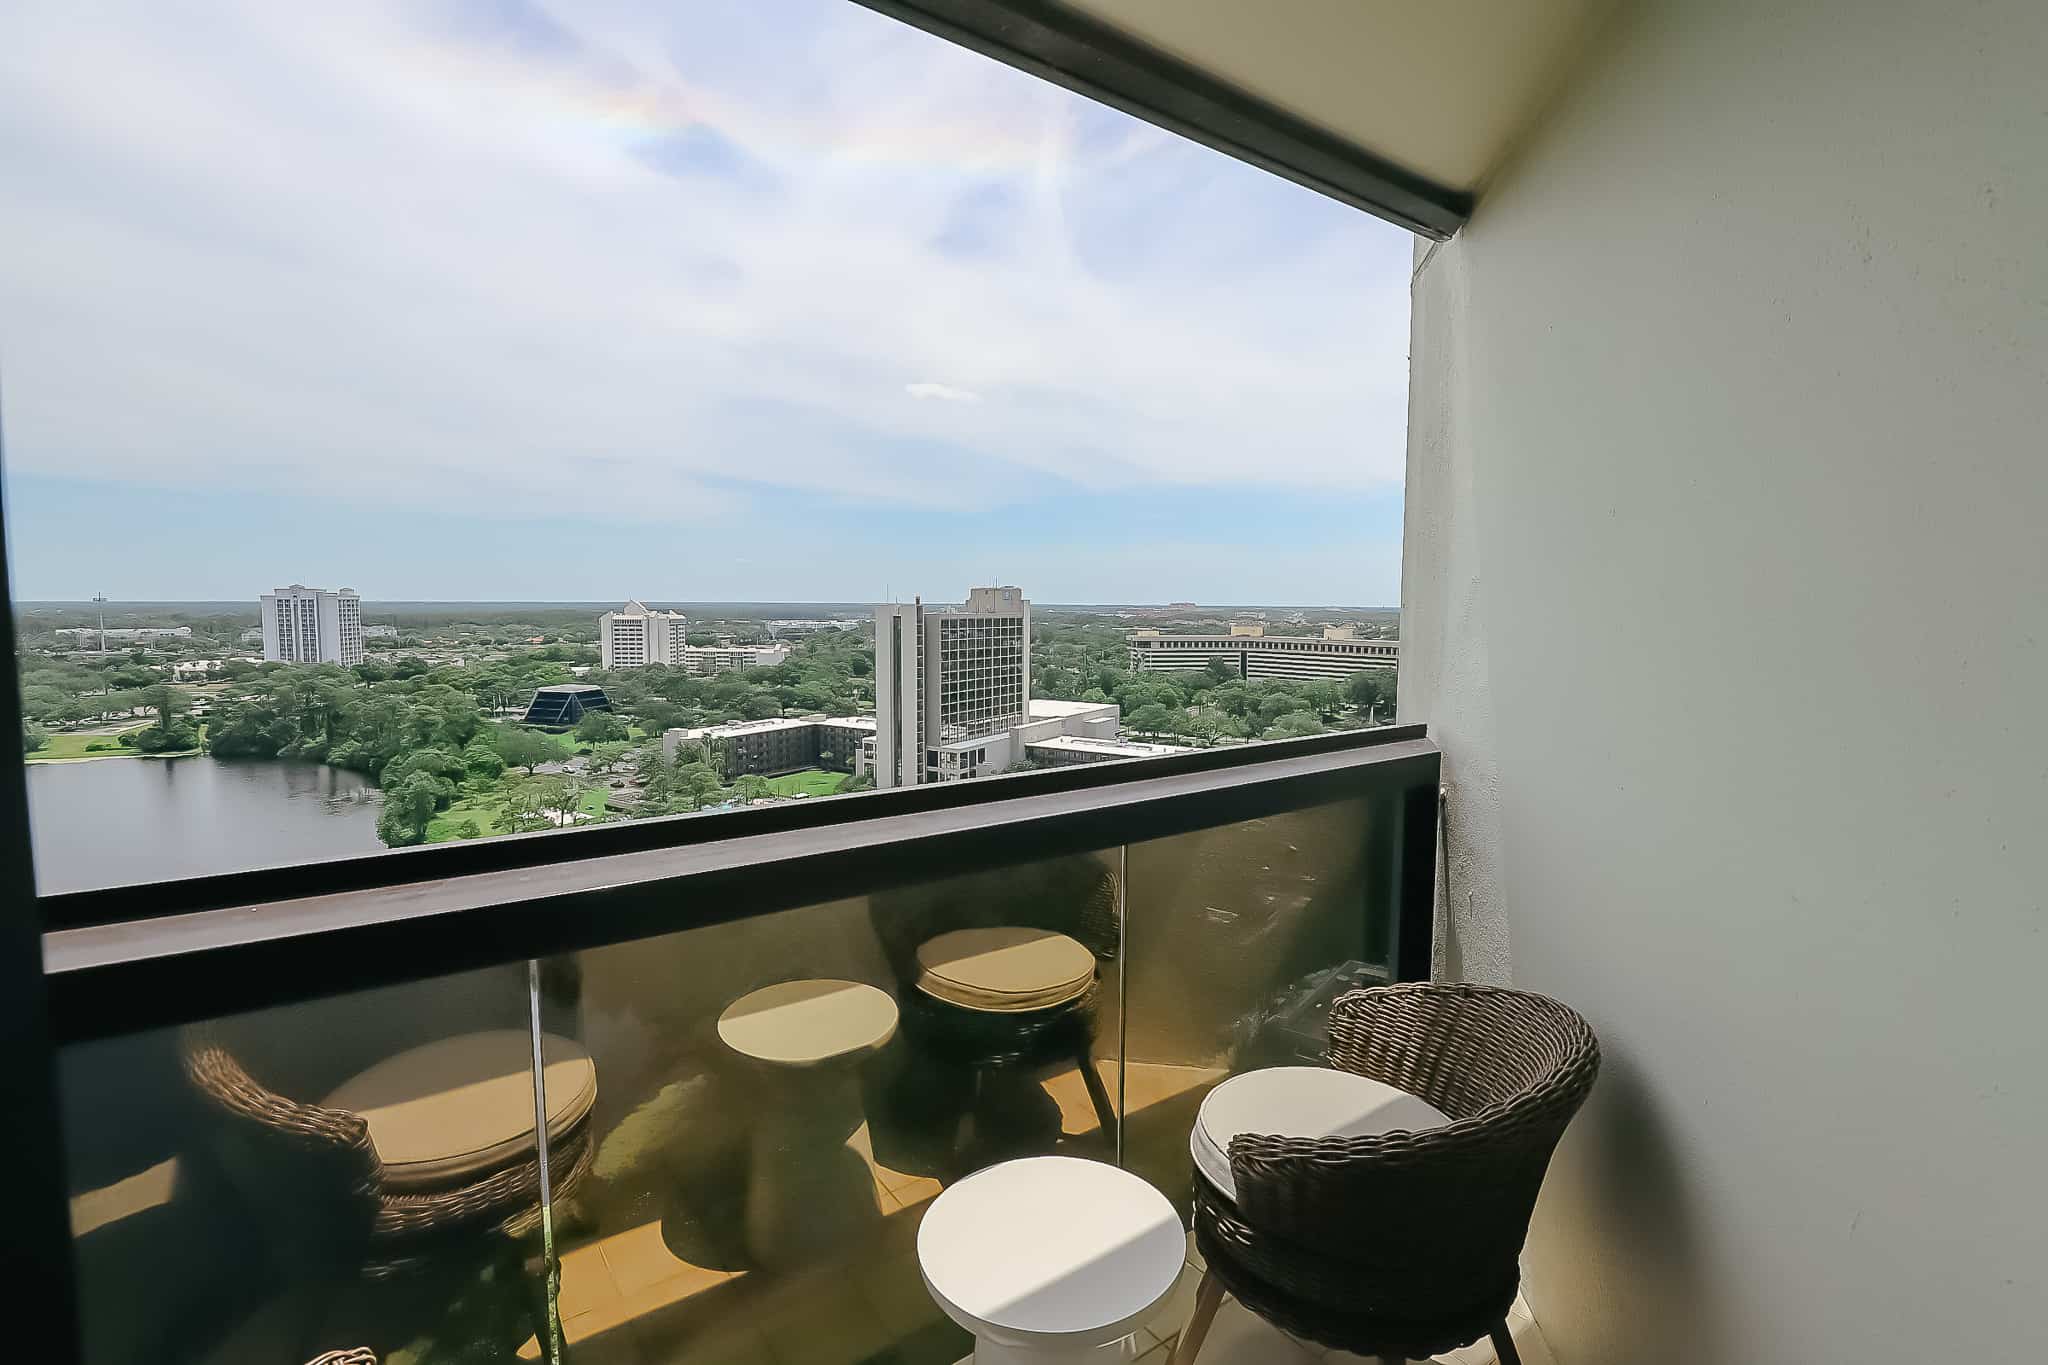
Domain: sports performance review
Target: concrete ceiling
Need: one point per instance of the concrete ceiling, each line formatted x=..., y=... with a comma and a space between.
x=1442, y=88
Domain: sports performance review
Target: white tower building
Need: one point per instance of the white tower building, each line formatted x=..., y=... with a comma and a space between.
x=946, y=677
x=303, y=625
x=634, y=637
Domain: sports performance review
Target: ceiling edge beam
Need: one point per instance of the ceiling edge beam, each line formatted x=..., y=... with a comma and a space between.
x=1101, y=61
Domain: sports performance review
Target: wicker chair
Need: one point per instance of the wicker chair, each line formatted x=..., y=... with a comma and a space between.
x=312, y=1175
x=1403, y=1244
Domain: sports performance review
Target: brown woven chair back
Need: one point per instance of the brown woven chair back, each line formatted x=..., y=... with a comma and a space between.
x=311, y=1169
x=1422, y=1227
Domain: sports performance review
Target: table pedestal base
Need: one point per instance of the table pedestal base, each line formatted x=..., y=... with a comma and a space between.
x=988, y=1352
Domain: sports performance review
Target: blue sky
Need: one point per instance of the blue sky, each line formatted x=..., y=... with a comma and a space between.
x=479, y=299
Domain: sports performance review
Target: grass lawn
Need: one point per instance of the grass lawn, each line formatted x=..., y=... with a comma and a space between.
x=488, y=810
x=809, y=782
x=73, y=746
x=64, y=748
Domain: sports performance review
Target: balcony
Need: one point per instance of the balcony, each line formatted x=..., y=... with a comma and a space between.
x=758, y=1071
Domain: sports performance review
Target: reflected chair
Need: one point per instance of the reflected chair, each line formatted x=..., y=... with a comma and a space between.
x=953, y=947
x=1402, y=1242
x=426, y=1161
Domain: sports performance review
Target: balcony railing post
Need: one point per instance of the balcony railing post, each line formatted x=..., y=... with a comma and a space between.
x=1415, y=882
x=35, y=1237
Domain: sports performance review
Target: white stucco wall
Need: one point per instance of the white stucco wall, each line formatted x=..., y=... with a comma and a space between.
x=1726, y=593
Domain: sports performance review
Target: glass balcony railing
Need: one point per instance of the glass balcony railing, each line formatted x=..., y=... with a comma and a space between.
x=744, y=1118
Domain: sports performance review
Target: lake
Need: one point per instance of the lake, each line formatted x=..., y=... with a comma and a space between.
x=115, y=821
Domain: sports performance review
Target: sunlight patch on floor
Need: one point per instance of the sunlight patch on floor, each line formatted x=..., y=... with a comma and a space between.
x=630, y=1275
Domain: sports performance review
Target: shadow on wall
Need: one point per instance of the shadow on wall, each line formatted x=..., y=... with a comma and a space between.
x=1625, y=1276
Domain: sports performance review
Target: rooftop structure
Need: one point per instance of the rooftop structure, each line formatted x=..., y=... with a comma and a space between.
x=1062, y=750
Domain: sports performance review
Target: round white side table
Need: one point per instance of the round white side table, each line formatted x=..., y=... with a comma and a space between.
x=1051, y=1260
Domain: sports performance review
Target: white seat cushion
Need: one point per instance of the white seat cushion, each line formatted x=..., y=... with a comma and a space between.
x=461, y=1107
x=1004, y=969
x=1299, y=1101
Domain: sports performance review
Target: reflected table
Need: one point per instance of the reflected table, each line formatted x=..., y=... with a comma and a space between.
x=802, y=1043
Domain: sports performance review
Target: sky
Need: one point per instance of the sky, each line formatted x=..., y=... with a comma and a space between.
x=721, y=300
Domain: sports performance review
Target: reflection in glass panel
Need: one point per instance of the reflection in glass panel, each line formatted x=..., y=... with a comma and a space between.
x=1239, y=938
x=783, y=1096
x=745, y=1121
x=359, y=1171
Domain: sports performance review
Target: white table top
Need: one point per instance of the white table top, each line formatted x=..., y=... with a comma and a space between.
x=1051, y=1245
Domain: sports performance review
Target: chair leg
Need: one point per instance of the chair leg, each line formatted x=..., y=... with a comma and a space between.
x=1098, y=1095
x=1504, y=1345
x=1208, y=1298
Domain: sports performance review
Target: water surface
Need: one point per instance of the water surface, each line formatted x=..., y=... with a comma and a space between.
x=116, y=821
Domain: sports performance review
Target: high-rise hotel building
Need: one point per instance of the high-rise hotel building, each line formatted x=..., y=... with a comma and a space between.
x=303, y=625
x=634, y=637
x=946, y=678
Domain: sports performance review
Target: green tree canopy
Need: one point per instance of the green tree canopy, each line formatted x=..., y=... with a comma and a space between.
x=524, y=748
x=407, y=809
x=598, y=726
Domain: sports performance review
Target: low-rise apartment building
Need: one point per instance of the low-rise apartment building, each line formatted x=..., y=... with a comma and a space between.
x=782, y=744
x=1251, y=653
x=128, y=632
x=704, y=660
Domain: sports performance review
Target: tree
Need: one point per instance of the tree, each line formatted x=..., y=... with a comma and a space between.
x=596, y=727
x=482, y=759
x=167, y=702
x=443, y=765
x=657, y=776
x=1271, y=707
x=523, y=748
x=751, y=787
x=554, y=799
x=656, y=716
x=697, y=784
x=1293, y=725
x=608, y=755
x=33, y=737
x=1325, y=698
x=1154, y=719
x=1370, y=688
x=407, y=809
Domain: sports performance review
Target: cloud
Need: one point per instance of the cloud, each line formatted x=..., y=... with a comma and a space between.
x=945, y=392
x=522, y=256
